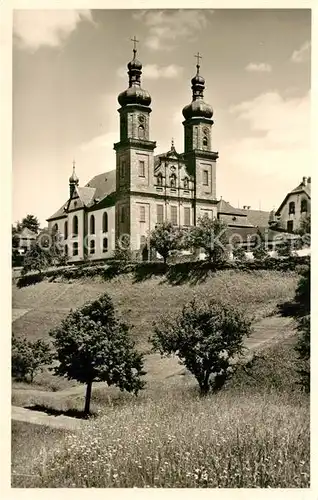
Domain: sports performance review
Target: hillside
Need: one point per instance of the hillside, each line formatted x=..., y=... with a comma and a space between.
x=38, y=308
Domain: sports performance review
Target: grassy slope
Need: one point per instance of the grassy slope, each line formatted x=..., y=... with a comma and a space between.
x=254, y=433
x=141, y=303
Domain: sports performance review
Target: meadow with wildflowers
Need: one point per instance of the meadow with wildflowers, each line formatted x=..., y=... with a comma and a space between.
x=254, y=433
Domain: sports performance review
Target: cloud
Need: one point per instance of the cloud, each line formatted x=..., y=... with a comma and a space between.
x=301, y=54
x=273, y=155
x=154, y=72
x=35, y=28
x=165, y=27
x=259, y=68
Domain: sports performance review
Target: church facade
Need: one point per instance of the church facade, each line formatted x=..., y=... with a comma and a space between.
x=145, y=189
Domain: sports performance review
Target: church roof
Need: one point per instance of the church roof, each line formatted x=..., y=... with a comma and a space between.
x=98, y=187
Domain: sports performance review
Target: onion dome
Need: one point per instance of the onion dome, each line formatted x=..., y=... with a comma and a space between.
x=74, y=179
x=198, y=108
x=134, y=94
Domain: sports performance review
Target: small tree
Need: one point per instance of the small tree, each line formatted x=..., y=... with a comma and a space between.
x=31, y=222
x=93, y=345
x=302, y=316
x=259, y=250
x=239, y=252
x=29, y=358
x=284, y=249
x=165, y=238
x=211, y=236
x=122, y=250
x=204, y=337
x=36, y=259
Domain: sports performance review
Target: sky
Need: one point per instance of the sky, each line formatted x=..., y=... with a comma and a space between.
x=70, y=65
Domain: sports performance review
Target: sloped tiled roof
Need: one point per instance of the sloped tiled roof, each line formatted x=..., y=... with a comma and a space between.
x=301, y=188
x=104, y=184
x=98, y=187
x=225, y=208
x=27, y=233
x=257, y=217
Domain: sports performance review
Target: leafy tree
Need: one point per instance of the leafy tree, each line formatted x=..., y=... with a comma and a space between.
x=284, y=249
x=28, y=358
x=239, y=252
x=31, y=222
x=258, y=247
x=204, y=337
x=210, y=235
x=15, y=239
x=51, y=241
x=165, y=238
x=36, y=259
x=302, y=316
x=122, y=250
x=93, y=345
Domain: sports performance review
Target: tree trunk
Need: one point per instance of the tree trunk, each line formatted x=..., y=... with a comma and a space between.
x=88, y=397
x=204, y=386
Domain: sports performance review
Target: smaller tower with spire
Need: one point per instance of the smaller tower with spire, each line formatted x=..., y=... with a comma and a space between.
x=73, y=181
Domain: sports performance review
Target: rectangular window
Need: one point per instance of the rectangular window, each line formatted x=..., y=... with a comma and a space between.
x=142, y=213
x=159, y=214
x=174, y=215
x=75, y=248
x=122, y=169
x=290, y=226
x=122, y=214
x=141, y=168
x=205, y=178
x=187, y=216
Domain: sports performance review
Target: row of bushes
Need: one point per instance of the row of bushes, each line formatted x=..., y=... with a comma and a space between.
x=143, y=270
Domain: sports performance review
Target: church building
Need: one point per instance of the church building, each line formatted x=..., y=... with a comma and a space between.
x=145, y=189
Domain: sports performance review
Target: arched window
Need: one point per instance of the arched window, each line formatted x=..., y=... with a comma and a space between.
x=75, y=226
x=205, y=142
x=304, y=206
x=292, y=207
x=159, y=179
x=92, y=225
x=173, y=181
x=105, y=244
x=105, y=222
x=186, y=183
x=65, y=230
x=66, y=250
x=141, y=132
x=92, y=246
x=55, y=228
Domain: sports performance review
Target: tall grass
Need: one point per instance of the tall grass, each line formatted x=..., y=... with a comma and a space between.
x=221, y=441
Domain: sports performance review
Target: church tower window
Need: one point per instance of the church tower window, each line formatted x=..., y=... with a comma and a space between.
x=173, y=181
x=142, y=212
x=159, y=179
x=174, y=215
x=205, y=178
x=141, y=132
x=75, y=226
x=141, y=168
x=186, y=183
x=205, y=142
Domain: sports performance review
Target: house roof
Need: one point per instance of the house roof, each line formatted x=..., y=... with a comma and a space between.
x=225, y=208
x=257, y=218
x=27, y=233
x=98, y=187
x=301, y=188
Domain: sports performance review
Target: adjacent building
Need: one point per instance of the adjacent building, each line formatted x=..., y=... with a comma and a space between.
x=294, y=208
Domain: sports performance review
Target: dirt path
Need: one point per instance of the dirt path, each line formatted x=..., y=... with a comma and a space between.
x=266, y=331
